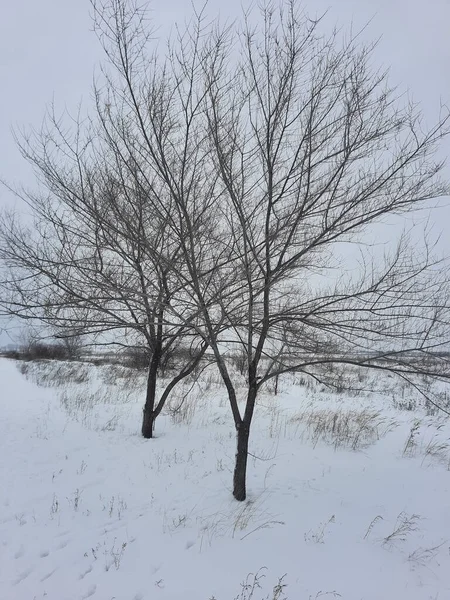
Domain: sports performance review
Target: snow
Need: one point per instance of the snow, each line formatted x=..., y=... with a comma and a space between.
x=89, y=509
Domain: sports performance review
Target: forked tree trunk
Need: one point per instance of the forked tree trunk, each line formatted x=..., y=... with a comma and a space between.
x=153, y=409
x=240, y=469
x=243, y=434
x=148, y=419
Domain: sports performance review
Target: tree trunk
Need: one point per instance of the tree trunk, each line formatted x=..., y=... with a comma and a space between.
x=148, y=420
x=240, y=469
x=243, y=434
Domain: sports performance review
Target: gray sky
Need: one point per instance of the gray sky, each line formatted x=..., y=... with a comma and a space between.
x=48, y=51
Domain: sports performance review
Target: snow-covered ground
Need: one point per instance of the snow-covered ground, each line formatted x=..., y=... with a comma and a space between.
x=349, y=496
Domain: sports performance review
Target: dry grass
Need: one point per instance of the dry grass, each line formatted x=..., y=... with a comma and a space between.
x=253, y=583
x=54, y=373
x=317, y=536
x=93, y=409
x=238, y=521
x=183, y=404
x=119, y=375
x=423, y=556
x=404, y=526
x=437, y=450
x=372, y=525
x=355, y=429
x=434, y=449
x=410, y=446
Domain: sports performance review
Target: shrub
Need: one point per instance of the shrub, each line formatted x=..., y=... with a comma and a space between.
x=43, y=351
x=137, y=358
x=13, y=354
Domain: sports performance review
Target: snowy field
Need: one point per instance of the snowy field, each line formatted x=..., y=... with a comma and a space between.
x=349, y=494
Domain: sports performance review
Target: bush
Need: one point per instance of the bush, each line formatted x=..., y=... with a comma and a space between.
x=73, y=345
x=42, y=351
x=14, y=354
x=137, y=358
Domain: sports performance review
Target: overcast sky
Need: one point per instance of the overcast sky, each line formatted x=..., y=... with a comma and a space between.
x=48, y=51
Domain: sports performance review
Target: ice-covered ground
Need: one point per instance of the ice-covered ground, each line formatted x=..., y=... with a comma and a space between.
x=349, y=497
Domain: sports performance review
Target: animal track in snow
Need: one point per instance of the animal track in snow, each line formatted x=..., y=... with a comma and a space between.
x=88, y=570
x=48, y=575
x=44, y=553
x=22, y=576
x=63, y=533
x=91, y=591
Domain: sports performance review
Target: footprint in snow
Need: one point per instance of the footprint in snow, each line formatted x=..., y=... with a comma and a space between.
x=63, y=544
x=23, y=576
x=189, y=544
x=63, y=533
x=20, y=552
x=91, y=591
x=48, y=575
x=138, y=596
x=83, y=575
x=44, y=553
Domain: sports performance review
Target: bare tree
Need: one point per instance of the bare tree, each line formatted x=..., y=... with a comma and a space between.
x=96, y=260
x=313, y=147
x=261, y=150
x=294, y=145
